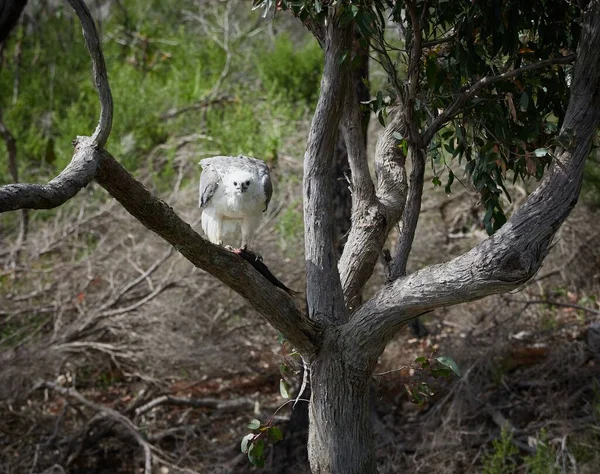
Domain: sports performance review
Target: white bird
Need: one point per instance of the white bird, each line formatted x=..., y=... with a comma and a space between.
x=234, y=192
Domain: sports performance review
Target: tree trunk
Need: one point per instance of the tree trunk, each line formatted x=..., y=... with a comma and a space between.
x=342, y=196
x=340, y=439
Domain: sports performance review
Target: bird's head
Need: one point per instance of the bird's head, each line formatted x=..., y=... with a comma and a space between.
x=239, y=182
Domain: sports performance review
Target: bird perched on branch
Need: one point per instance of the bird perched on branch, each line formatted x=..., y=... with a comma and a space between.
x=234, y=193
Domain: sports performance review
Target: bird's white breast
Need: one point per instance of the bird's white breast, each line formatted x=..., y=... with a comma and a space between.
x=239, y=205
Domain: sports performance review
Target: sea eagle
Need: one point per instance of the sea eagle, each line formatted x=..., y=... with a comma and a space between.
x=234, y=193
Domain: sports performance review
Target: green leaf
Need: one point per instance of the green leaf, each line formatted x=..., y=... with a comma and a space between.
x=450, y=181
x=256, y=453
x=343, y=57
x=524, y=102
x=254, y=424
x=318, y=6
x=420, y=360
x=443, y=372
x=275, y=434
x=436, y=181
x=245, y=440
x=541, y=152
x=450, y=363
x=284, y=388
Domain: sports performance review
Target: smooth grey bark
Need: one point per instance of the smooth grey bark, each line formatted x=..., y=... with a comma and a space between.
x=100, y=76
x=78, y=174
x=375, y=209
x=323, y=288
x=410, y=217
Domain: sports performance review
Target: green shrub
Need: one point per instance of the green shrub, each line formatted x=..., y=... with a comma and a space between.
x=291, y=73
x=502, y=459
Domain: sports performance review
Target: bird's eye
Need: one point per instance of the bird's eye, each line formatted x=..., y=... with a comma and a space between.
x=247, y=183
x=235, y=183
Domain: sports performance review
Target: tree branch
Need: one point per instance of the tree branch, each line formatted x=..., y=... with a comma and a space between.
x=374, y=217
x=90, y=161
x=410, y=217
x=276, y=306
x=92, y=41
x=10, y=12
x=453, y=109
x=509, y=258
x=76, y=175
x=11, y=149
x=323, y=288
x=413, y=74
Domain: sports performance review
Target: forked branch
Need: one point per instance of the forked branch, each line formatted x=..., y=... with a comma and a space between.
x=509, y=258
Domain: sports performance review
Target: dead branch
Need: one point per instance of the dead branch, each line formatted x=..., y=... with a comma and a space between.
x=108, y=413
x=214, y=403
x=11, y=149
x=202, y=104
x=549, y=302
x=92, y=162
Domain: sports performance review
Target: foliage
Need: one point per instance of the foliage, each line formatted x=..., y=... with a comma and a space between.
x=501, y=133
x=254, y=443
x=153, y=68
x=290, y=72
x=502, y=459
x=542, y=462
x=418, y=390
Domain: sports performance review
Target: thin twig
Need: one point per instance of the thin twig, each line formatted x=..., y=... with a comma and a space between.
x=553, y=303
x=105, y=412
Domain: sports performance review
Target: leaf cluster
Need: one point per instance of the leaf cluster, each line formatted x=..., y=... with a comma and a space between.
x=254, y=443
x=500, y=133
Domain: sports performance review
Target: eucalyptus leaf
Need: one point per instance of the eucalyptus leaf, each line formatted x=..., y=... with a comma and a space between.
x=284, y=388
x=450, y=363
x=245, y=441
x=254, y=424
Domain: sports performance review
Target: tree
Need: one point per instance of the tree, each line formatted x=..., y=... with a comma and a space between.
x=458, y=55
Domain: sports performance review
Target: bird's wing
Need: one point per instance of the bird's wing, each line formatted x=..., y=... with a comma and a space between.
x=265, y=179
x=209, y=182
